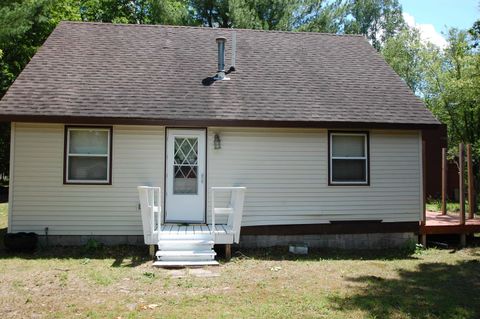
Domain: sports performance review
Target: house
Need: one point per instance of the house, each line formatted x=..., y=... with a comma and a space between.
x=323, y=134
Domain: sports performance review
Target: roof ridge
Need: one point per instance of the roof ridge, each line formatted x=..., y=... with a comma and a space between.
x=208, y=28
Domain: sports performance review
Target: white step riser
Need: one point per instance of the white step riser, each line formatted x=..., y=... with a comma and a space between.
x=186, y=253
x=180, y=249
x=185, y=237
x=183, y=258
x=171, y=246
x=185, y=263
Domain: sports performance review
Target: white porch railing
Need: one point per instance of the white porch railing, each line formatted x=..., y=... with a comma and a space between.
x=151, y=208
x=233, y=211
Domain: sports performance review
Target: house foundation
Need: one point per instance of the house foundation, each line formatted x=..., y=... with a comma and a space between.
x=341, y=241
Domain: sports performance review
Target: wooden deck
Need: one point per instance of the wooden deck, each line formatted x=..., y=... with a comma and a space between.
x=223, y=235
x=436, y=224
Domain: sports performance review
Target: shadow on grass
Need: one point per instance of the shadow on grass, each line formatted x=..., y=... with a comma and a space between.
x=281, y=253
x=123, y=255
x=433, y=290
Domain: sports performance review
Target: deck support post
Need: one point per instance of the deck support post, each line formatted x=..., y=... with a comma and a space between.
x=151, y=251
x=463, y=240
x=461, y=190
x=228, y=252
x=444, y=181
x=471, y=187
x=423, y=240
x=461, y=179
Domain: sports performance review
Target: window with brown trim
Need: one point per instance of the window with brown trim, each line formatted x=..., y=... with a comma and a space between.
x=348, y=158
x=88, y=155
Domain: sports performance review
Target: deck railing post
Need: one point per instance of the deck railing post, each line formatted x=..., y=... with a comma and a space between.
x=444, y=181
x=461, y=178
x=213, y=213
x=461, y=189
x=471, y=186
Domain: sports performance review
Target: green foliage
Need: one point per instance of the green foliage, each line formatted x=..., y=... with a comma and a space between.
x=172, y=12
x=408, y=55
x=447, y=79
x=378, y=20
x=453, y=90
x=24, y=26
x=325, y=16
x=92, y=245
x=251, y=14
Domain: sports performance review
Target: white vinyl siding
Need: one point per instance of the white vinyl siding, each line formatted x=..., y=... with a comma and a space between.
x=41, y=200
x=285, y=171
x=286, y=175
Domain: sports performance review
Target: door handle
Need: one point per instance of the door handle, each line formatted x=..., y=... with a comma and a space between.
x=201, y=178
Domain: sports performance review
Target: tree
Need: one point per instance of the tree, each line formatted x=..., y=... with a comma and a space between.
x=324, y=16
x=136, y=11
x=24, y=26
x=378, y=20
x=453, y=93
x=409, y=56
x=251, y=14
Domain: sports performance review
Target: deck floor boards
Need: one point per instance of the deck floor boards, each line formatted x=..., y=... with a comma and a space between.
x=223, y=234
x=436, y=223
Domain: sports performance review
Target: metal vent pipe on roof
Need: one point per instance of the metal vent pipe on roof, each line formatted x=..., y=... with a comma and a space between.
x=221, y=57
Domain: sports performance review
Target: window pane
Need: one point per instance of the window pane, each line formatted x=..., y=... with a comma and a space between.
x=88, y=142
x=348, y=170
x=185, y=165
x=87, y=168
x=348, y=145
x=185, y=180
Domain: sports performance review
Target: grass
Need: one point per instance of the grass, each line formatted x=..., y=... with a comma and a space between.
x=435, y=205
x=119, y=282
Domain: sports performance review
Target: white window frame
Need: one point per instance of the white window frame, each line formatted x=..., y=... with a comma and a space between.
x=365, y=158
x=107, y=181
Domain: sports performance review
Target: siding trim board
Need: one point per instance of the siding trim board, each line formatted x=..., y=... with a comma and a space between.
x=65, y=154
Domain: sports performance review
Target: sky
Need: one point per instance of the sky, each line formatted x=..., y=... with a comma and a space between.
x=432, y=17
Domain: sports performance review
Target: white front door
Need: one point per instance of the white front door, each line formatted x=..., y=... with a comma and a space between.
x=185, y=176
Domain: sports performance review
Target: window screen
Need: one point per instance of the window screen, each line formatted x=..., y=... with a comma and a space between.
x=88, y=155
x=348, y=158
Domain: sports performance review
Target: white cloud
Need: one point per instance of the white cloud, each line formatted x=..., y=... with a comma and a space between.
x=427, y=31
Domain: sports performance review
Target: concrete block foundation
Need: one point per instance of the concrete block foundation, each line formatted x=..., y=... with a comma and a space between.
x=342, y=241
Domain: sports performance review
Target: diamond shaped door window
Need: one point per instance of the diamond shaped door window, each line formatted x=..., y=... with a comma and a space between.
x=185, y=165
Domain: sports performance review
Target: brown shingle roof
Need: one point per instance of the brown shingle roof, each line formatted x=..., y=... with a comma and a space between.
x=143, y=73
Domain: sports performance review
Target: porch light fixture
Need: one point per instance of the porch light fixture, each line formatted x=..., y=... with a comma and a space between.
x=217, y=144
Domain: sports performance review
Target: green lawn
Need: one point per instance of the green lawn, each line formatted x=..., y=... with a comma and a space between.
x=121, y=283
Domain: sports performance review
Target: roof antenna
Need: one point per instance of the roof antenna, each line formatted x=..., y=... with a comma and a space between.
x=221, y=73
